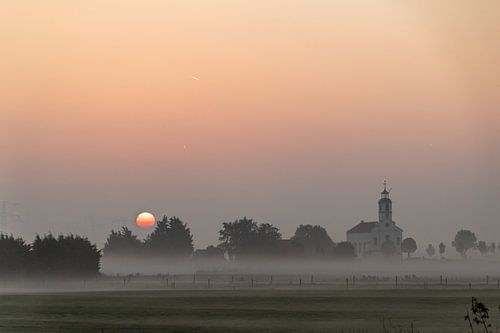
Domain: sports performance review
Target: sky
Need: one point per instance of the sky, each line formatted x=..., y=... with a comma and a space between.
x=288, y=112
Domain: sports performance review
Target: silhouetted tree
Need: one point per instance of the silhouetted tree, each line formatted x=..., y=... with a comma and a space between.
x=245, y=238
x=408, y=246
x=15, y=256
x=493, y=248
x=267, y=239
x=171, y=238
x=66, y=255
x=464, y=241
x=122, y=242
x=483, y=248
x=315, y=240
x=239, y=238
x=344, y=250
x=388, y=248
x=181, y=239
x=431, y=251
x=47, y=254
x=442, y=249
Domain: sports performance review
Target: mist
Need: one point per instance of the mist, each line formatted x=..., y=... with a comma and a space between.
x=300, y=124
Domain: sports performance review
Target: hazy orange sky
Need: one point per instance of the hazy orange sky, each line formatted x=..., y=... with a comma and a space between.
x=286, y=111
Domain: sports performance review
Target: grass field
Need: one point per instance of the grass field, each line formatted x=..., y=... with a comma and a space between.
x=241, y=310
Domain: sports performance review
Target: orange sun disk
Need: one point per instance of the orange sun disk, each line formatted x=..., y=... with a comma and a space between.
x=145, y=220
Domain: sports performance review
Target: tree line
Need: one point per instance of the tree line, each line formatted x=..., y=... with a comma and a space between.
x=170, y=238
x=238, y=240
x=464, y=242
x=64, y=255
x=241, y=239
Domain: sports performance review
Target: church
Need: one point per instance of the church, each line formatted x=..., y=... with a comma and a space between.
x=368, y=237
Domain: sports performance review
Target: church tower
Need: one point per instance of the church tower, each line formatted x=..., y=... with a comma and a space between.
x=385, y=206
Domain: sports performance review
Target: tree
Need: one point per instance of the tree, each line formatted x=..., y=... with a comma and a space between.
x=431, y=251
x=181, y=239
x=388, y=248
x=267, y=238
x=238, y=238
x=314, y=239
x=344, y=250
x=245, y=238
x=171, y=238
x=122, y=242
x=464, y=241
x=442, y=248
x=408, y=246
x=483, y=248
x=46, y=254
x=15, y=256
x=66, y=255
x=493, y=248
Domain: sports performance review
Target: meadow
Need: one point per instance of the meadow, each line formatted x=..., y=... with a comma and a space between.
x=244, y=310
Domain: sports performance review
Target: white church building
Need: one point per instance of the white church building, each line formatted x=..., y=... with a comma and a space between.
x=368, y=237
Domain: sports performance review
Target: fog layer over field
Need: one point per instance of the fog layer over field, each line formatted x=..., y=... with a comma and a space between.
x=361, y=267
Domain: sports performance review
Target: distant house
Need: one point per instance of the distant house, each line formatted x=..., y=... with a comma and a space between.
x=210, y=253
x=368, y=237
x=287, y=248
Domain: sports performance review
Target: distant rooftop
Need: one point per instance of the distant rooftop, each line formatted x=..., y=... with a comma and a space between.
x=362, y=227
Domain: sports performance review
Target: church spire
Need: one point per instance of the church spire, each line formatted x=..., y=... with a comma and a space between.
x=385, y=205
x=385, y=193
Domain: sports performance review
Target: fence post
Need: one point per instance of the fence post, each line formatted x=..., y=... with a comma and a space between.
x=396, y=282
x=300, y=283
x=347, y=283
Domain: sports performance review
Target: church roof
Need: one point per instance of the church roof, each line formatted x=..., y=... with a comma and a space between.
x=362, y=227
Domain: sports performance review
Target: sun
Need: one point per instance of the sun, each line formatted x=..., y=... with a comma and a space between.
x=145, y=220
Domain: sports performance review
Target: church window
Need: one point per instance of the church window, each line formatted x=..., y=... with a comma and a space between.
x=387, y=207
